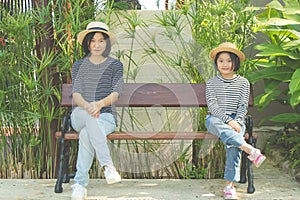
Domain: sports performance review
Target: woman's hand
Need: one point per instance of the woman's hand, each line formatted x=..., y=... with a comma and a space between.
x=93, y=108
x=235, y=125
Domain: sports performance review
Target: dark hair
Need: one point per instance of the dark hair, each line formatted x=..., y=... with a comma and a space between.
x=87, y=40
x=235, y=60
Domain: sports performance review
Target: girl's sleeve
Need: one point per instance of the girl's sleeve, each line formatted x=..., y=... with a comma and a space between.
x=212, y=103
x=243, y=104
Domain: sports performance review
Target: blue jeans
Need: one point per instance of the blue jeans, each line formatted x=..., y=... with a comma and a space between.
x=92, y=139
x=232, y=140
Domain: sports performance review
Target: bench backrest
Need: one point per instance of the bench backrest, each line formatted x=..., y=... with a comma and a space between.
x=155, y=94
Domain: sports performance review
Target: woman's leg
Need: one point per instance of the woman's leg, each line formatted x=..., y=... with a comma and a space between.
x=98, y=130
x=85, y=156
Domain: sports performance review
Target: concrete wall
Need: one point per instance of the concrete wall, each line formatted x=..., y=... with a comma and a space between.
x=150, y=69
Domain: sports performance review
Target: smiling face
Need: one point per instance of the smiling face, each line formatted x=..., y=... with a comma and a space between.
x=225, y=65
x=97, y=44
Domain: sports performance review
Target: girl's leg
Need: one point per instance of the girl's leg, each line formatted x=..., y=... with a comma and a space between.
x=228, y=136
x=232, y=166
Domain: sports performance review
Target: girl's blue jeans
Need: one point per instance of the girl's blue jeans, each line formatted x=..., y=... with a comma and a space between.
x=92, y=140
x=232, y=140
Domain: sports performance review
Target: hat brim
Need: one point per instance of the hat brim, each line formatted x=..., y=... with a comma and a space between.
x=217, y=50
x=82, y=35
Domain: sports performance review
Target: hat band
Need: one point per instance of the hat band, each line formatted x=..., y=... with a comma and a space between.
x=97, y=28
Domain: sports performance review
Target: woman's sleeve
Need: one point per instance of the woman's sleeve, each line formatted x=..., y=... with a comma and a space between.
x=76, y=86
x=117, y=80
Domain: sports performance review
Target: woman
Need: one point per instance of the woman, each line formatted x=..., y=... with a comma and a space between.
x=227, y=96
x=97, y=80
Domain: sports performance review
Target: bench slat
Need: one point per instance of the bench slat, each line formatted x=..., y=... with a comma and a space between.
x=154, y=94
x=148, y=136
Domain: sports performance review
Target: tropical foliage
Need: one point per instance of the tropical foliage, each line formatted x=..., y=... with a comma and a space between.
x=279, y=59
x=278, y=64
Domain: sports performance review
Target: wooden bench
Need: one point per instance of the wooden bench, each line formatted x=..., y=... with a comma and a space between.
x=149, y=95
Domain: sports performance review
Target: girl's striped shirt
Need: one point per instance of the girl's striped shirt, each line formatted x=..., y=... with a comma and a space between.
x=226, y=97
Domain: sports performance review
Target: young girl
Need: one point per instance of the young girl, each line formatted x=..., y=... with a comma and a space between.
x=227, y=96
x=96, y=84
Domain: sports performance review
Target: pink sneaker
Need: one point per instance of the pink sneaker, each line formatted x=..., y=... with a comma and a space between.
x=256, y=157
x=230, y=192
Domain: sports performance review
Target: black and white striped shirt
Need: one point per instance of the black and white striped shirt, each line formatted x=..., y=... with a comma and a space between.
x=225, y=97
x=96, y=81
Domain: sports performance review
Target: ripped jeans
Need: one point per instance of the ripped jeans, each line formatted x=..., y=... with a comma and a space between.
x=232, y=140
x=92, y=139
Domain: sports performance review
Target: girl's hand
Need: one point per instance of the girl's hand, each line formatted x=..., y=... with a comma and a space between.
x=235, y=125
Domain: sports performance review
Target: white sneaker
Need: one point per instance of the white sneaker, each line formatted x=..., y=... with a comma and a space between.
x=111, y=175
x=78, y=192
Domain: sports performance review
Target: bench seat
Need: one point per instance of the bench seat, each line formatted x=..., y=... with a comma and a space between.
x=148, y=136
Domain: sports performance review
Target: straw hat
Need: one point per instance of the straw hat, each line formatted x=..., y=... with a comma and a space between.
x=228, y=47
x=96, y=27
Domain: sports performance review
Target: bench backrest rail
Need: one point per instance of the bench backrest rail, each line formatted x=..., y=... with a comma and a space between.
x=154, y=95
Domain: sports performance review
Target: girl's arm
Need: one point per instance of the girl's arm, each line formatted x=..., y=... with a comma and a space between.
x=243, y=103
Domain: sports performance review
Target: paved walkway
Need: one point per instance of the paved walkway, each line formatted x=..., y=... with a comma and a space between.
x=271, y=183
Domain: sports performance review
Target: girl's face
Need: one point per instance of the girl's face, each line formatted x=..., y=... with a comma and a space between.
x=97, y=45
x=224, y=64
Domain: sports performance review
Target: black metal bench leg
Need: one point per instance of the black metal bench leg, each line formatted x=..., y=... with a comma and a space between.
x=243, y=178
x=251, y=141
x=59, y=181
x=66, y=169
x=251, y=188
x=62, y=162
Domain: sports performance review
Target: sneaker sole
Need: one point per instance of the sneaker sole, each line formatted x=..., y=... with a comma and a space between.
x=112, y=181
x=230, y=197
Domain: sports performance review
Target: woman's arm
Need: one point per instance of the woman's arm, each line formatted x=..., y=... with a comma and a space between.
x=93, y=108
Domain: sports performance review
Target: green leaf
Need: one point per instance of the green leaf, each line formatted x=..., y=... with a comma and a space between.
x=263, y=100
x=280, y=73
x=271, y=84
x=286, y=118
x=275, y=5
x=282, y=32
x=295, y=82
x=274, y=50
x=295, y=99
x=280, y=22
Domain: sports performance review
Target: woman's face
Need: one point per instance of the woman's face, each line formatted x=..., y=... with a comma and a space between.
x=224, y=64
x=97, y=45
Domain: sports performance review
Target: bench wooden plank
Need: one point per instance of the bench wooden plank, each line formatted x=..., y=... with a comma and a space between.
x=154, y=94
x=148, y=136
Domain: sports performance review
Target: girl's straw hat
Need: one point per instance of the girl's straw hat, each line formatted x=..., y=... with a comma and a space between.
x=96, y=27
x=228, y=47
